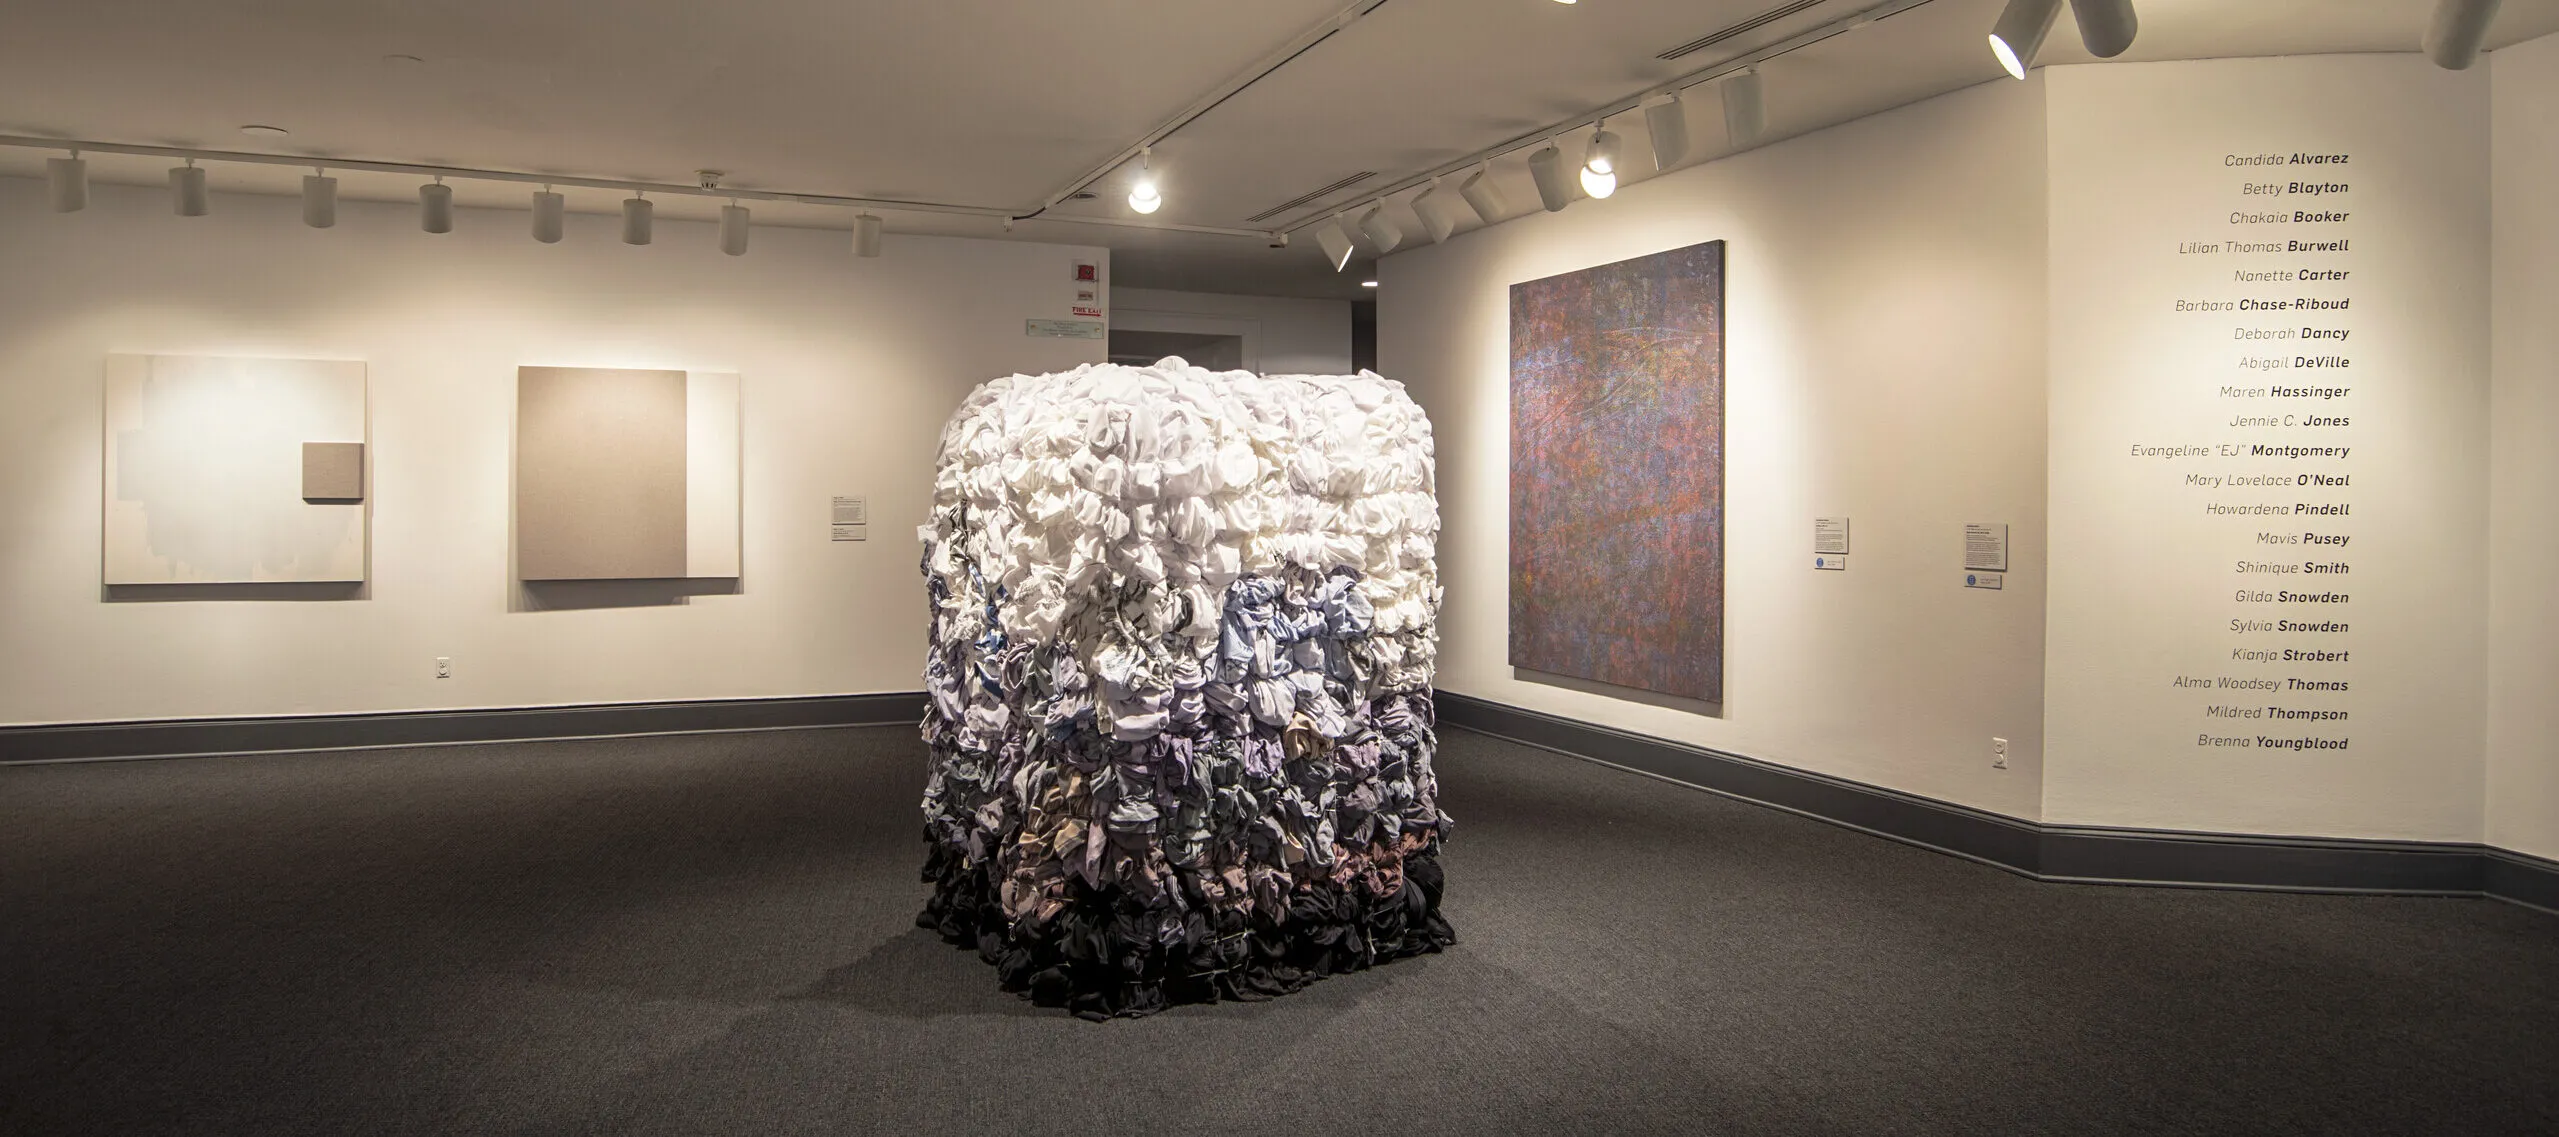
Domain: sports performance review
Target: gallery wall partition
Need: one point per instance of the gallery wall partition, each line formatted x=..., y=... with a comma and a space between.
x=2242, y=366
x=1882, y=349
x=2522, y=740
x=2269, y=447
x=844, y=369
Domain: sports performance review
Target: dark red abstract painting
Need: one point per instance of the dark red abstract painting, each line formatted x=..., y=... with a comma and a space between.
x=1617, y=473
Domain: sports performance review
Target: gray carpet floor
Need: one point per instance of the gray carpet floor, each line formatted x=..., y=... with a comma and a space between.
x=715, y=934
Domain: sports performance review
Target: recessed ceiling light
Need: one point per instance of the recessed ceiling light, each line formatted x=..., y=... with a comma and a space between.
x=264, y=131
x=1372, y=283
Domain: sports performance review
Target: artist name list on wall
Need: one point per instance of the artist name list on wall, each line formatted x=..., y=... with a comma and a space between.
x=2267, y=481
x=2271, y=454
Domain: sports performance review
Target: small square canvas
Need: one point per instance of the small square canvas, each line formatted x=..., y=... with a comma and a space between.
x=333, y=471
x=208, y=467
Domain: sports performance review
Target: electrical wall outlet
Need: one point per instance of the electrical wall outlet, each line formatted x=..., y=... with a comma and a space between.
x=1999, y=754
x=444, y=667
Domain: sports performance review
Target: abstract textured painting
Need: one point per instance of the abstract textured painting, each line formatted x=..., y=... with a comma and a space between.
x=209, y=467
x=1183, y=627
x=1617, y=474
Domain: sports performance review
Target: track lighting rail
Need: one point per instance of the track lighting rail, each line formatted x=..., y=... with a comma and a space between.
x=1871, y=13
x=668, y=189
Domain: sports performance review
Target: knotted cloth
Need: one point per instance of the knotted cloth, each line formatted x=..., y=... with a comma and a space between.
x=1183, y=630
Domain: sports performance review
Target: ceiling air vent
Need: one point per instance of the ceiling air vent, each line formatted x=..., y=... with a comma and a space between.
x=1312, y=196
x=1743, y=28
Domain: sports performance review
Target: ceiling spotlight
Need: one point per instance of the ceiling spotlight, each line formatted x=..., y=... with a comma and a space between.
x=187, y=190
x=1666, y=120
x=319, y=199
x=1381, y=229
x=1372, y=283
x=435, y=207
x=262, y=130
x=2454, y=36
x=1745, y=113
x=550, y=213
x=1335, y=242
x=1437, y=207
x=2107, y=26
x=1547, y=167
x=866, y=236
x=1144, y=197
x=1482, y=195
x=637, y=220
x=66, y=182
x=733, y=225
x=1599, y=163
x=2020, y=33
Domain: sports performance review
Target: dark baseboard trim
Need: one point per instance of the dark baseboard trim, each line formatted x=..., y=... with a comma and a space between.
x=175, y=738
x=2059, y=853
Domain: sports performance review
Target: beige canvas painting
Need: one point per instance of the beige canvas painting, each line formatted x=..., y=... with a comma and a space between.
x=210, y=464
x=626, y=474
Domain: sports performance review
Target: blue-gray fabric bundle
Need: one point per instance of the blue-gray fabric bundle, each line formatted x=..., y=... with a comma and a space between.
x=1180, y=665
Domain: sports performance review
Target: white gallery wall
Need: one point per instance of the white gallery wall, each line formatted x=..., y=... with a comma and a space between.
x=1884, y=310
x=2022, y=301
x=1282, y=335
x=848, y=367
x=2269, y=471
x=2523, y=454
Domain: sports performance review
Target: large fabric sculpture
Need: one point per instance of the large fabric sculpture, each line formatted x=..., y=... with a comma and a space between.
x=1181, y=653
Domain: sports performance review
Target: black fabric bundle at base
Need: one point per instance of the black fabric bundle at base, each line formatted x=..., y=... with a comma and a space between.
x=1098, y=958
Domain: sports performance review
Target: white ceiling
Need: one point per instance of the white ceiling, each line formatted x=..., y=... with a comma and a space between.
x=1000, y=103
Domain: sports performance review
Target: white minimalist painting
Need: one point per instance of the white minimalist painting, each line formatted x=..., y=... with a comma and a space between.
x=234, y=471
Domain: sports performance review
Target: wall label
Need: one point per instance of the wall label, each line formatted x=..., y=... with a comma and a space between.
x=1830, y=535
x=1986, y=549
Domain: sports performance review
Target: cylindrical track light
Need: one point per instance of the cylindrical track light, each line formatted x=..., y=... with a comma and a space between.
x=1547, y=167
x=2107, y=27
x=2020, y=33
x=1599, y=163
x=1144, y=197
x=319, y=200
x=1437, y=211
x=638, y=220
x=1482, y=195
x=187, y=190
x=733, y=225
x=1336, y=243
x=2454, y=36
x=550, y=216
x=866, y=236
x=1745, y=108
x=435, y=207
x=1666, y=120
x=66, y=183
x=1381, y=229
